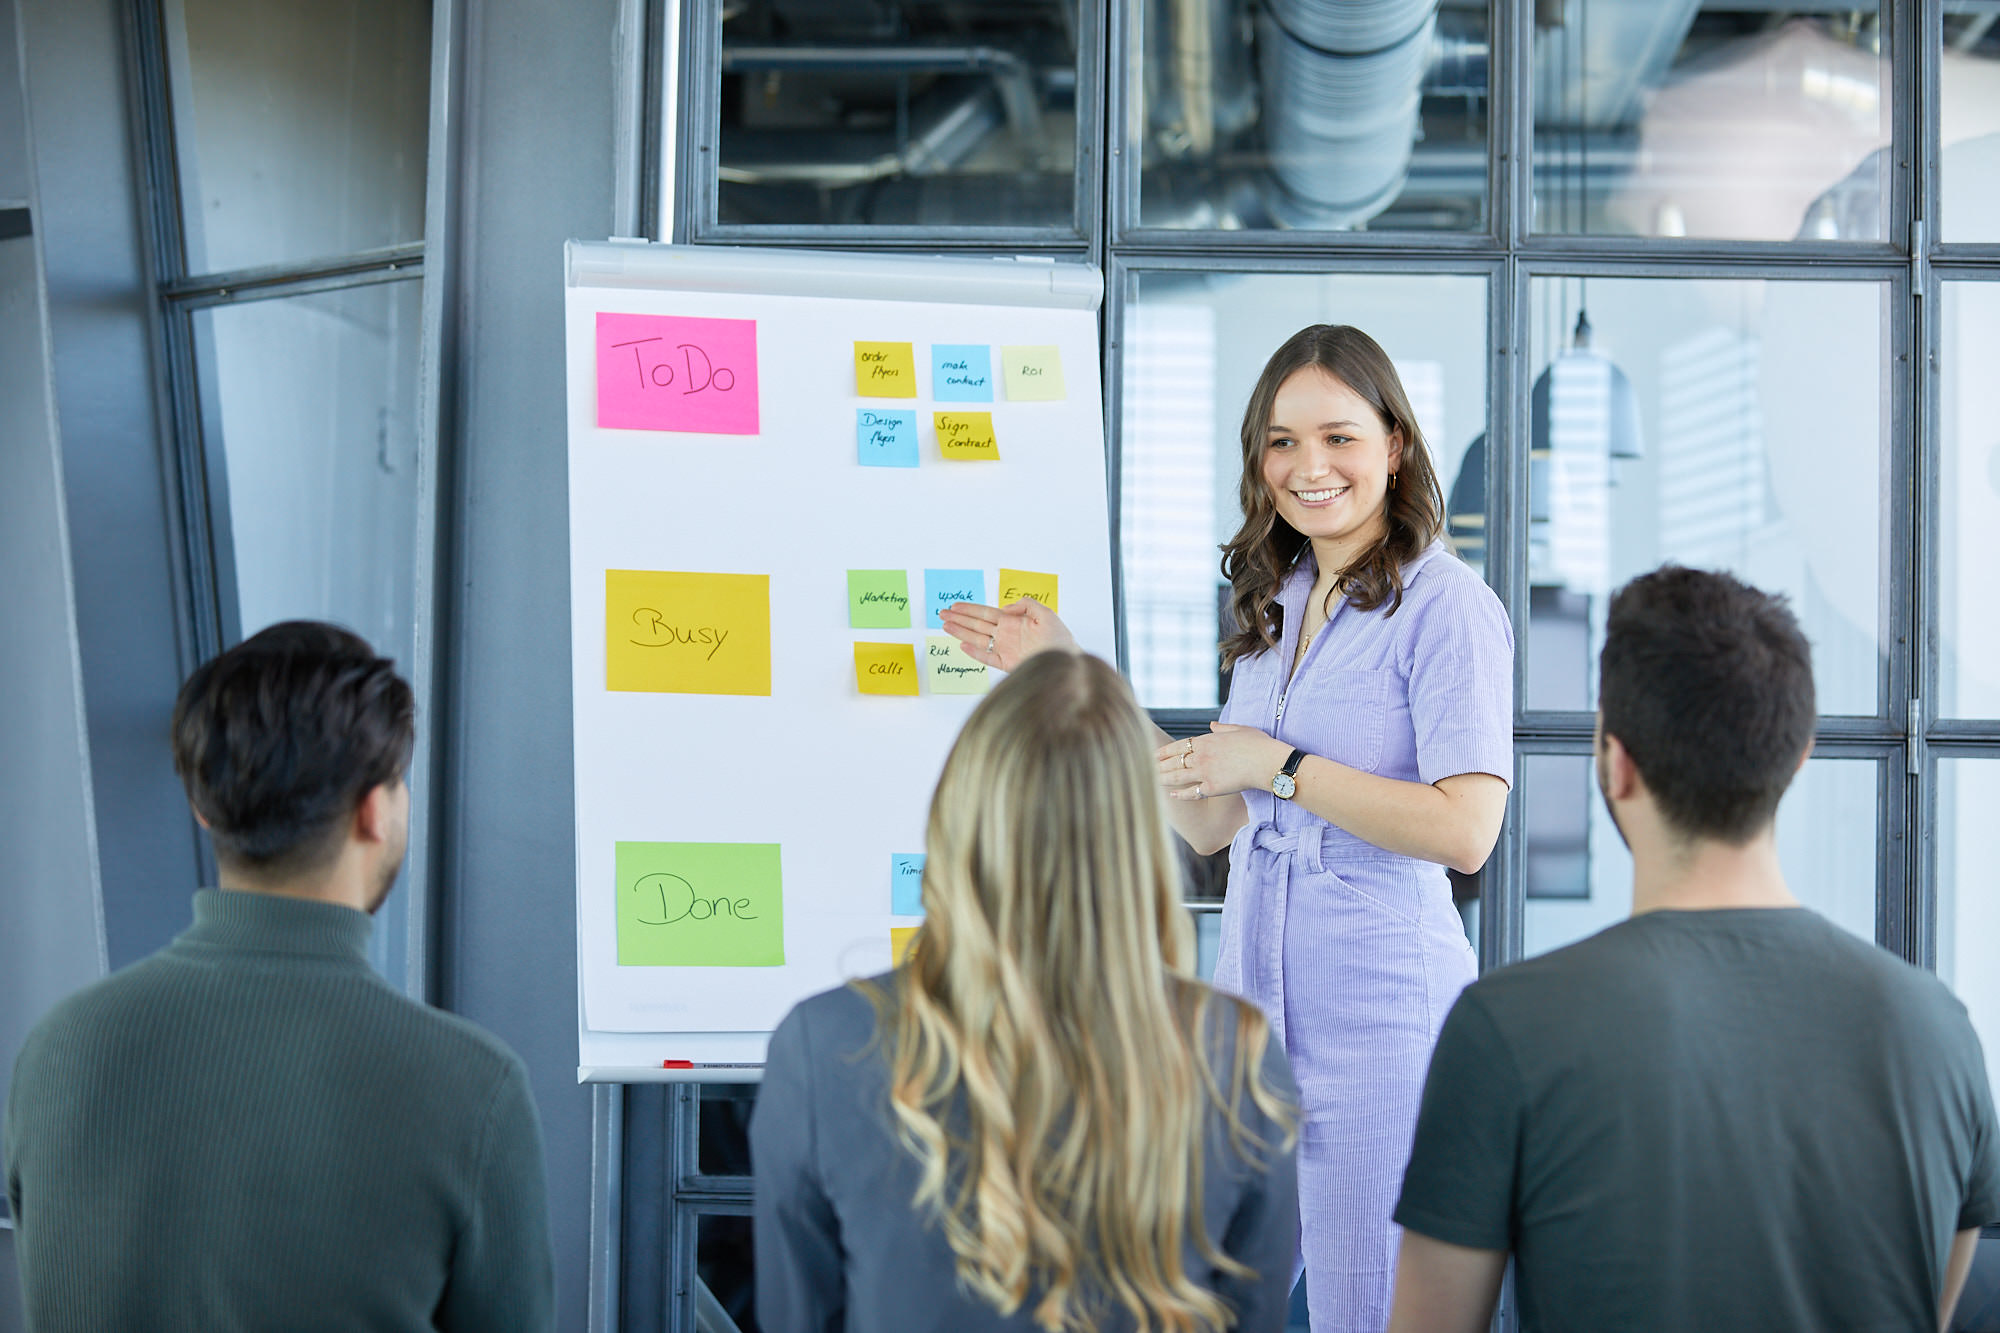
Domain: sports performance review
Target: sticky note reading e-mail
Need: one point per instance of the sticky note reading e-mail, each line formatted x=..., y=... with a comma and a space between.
x=677, y=373
x=885, y=438
x=906, y=884
x=950, y=669
x=1032, y=374
x=961, y=374
x=673, y=632
x=966, y=435
x=700, y=904
x=878, y=599
x=942, y=587
x=885, y=668
x=1018, y=583
x=885, y=370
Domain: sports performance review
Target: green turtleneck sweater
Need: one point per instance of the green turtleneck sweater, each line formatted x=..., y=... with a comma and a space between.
x=252, y=1130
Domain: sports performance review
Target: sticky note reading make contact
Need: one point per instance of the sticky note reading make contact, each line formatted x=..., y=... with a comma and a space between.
x=906, y=884
x=700, y=904
x=961, y=374
x=677, y=373
x=1032, y=374
x=942, y=587
x=680, y=633
x=901, y=938
x=878, y=599
x=950, y=669
x=885, y=370
x=885, y=668
x=1018, y=583
x=884, y=438
x=966, y=435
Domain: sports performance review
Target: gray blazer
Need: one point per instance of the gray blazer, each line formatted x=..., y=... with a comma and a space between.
x=840, y=1245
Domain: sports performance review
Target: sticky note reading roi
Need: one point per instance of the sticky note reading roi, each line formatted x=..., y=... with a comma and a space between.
x=677, y=373
x=1032, y=374
x=961, y=374
x=885, y=668
x=906, y=884
x=885, y=370
x=950, y=669
x=885, y=438
x=679, y=633
x=966, y=434
x=942, y=587
x=878, y=599
x=1019, y=583
x=700, y=904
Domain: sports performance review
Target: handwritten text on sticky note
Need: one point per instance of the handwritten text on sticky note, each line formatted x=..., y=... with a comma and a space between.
x=700, y=904
x=885, y=668
x=950, y=669
x=906, y=884
x=884, y=438
x=966, y=434
x=1018, y=583
x=878, y=599
x=885, y=370
x=901, y=940
x=677, y=373
x=1033, y=374
x=682, y=633
x=961, y=374
x=942, y=587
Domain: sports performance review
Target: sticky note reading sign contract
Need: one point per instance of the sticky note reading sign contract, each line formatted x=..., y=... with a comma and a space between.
x=700, y=904
x=676, y=372
x=1032, y=374
x=885, y=370
x=1018, y=583
x=677, y=633
x=966, y=435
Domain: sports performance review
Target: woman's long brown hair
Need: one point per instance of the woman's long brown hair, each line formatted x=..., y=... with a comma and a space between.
x=1257, y=558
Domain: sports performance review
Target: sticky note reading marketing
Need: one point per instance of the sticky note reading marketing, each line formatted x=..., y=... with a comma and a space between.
x=700, y=904
x=885, y=370
x=906, y=884
x=1018, y=583
x=900, y=940
x=878, y=599
x=677, y=373
x=950, y=670
x=680, y=633
x=885, y=668
x=885, y=439
x=942, y=587
x=1033, y=374
x=966, y=434
x=961, y=374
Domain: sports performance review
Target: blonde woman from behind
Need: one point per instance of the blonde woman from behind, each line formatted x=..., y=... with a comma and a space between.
x=1040, y=1121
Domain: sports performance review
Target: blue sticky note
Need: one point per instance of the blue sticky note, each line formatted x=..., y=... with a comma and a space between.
x=942, y=587
x=885, y=439
x=906, y=884
x=961, y=374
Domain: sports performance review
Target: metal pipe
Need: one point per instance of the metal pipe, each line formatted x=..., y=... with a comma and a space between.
x=952, y=129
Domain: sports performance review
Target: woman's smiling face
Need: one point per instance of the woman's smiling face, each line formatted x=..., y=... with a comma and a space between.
x=1327, y=463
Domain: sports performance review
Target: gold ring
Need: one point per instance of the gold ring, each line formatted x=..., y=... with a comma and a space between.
x=1184, y=757
x=1190, y=748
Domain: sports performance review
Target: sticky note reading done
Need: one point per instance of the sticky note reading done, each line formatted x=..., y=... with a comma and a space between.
x=900, y=940
x=700, y=904
x=884, y=438
x=1018, y=583
x=885, y=668
x=679, y=633
x=906, y=884
x=961, y=374
x=885, y=370
x=1033, y=374
x=677, y=373
x=942, y=587
x=950, y=669
x=966, y=434
x=878, y=599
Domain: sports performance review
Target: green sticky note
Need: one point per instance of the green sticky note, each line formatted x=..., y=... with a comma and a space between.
x=1032, y=374
x=700, y=904
x=878, y=599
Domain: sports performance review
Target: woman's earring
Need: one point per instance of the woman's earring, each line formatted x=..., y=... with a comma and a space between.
x=1392, y=481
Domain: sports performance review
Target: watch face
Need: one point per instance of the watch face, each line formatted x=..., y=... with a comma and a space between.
x=1285, y=786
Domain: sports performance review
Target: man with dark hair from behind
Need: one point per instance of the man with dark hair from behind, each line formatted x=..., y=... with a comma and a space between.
x=1726, y=1112
x=250, y=1129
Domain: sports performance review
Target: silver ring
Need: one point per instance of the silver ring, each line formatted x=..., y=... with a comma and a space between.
x=989, y=643
x=1197, y=792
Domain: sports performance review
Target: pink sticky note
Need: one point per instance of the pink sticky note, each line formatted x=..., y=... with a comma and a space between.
x=677, y=372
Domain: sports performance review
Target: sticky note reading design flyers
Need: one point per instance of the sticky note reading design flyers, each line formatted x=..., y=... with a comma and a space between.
x=878, y=599
x=672, y=632
x=906, y=884
x=1019, y=583
x=677, y=373
x=700, y=904
x=961, y=374
x=950, y=670
x=884, y=438
x=885, y=668
x=885, y=370
x=1032, y=374
x=900, y=940
x=942, y=587
x=966, y=435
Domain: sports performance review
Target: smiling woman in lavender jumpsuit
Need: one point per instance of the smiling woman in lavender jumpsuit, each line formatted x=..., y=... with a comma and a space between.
x=1364, y=747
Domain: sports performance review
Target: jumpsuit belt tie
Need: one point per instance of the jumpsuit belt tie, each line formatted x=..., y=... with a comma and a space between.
x=1264, y=965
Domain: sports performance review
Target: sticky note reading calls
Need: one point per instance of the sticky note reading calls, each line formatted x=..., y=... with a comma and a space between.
x=901, y=938
x=906, y=884
x=885, y=668
x=700, y=904
x=878, y=599
x=885, y=439
x=885, y=370
x=681, y=633
x=942, y=587
x=677, y=373
x=961, y=374
x=950, y=670
x=966, y=434
x=1019, y=583
x=1032, y=374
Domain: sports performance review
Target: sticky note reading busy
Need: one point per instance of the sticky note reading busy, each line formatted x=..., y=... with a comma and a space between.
x=680, y=633
x=1019, y=583
x=677, y=373
x=901, y=939
x=950, y=669
x=1033, y=374
x=885, y=438
x=961, y=374
x=885, y=668
x=885, y=370
x=878, y=599
x=700, y=904
x=942, y=587
x=906, y=884
x=966, y=434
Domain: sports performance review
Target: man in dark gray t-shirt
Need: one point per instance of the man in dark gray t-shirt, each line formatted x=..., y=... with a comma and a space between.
x=1726, y=1113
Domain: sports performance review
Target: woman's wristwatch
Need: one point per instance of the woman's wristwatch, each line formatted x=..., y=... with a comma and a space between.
x=1286, y=785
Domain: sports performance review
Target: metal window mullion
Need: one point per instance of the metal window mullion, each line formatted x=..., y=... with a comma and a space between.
x=1112, y=331
x=1095, y=175
x=700, y=123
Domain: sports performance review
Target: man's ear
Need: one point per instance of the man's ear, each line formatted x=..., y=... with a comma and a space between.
x=1802, y=758
x=372, y=813
x=199, y=818
x=1621, y=775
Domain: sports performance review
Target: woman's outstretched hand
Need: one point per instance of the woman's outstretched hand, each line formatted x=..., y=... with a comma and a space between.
x=1227, y=760
x=1006, y=636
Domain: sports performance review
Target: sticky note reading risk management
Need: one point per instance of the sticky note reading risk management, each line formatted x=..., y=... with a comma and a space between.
x=885, y=438
x=1018, y=583
x=878, y=599
x=942, y=587
x=961, y=374
x=680, y=633
x=966, y=434
x=885, y=370
x=885, y=668
x=900, y=940
x=950, y=670
x=1032, y=374
x=906, y=884
x=677, y=373
x=700, y=904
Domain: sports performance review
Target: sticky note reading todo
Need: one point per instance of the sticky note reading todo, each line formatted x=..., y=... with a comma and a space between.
x=677, y=373
x=906, y=884
x=878, y=599
x=900, y=940
x=700, y=904
x=950, y=669
x=1018, y=583
x=1033, y=374
x=885, y=370
x=885, y=668
x=885, y=439
x=942, y=587
x=961, y=374
x=966, y=434
x=680, y=633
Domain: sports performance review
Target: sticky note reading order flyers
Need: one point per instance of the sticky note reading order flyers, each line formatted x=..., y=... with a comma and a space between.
x=950, y=669
x=906, y=884
x=677, y=373
x=680, y=633
x=885, y=370
x=885, y=668
x=700, y=904
x=900, y=940
x=966, y=434
x=961, y=374
x=1018, y=583
x=1032, y=374
x=942, y=587
x=878, y=599
x=885, y=438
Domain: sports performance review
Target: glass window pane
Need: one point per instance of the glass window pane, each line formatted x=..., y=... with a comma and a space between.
x=725, y=1272
x=1968, y=909
x=1738, y=425
x=1310, y=115
x=1579, y=875
x=723, y=1147
x=302, y=128
x=1969, y=487
x=1969, y=123
x=935, y=114
x=1193, y=345
x=1680, y=118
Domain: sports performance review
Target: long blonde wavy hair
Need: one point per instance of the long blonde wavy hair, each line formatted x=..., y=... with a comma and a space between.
x=1050, y=1054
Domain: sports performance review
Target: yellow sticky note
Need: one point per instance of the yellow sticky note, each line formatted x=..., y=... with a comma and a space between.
x=1018, y=583
x=900, y=940
x=681, y=633
x=885, y=668
x=886, y=370
x=966, y=434
x=1032, y=374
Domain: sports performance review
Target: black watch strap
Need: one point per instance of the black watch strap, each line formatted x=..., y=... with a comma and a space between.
x=1292, y=762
